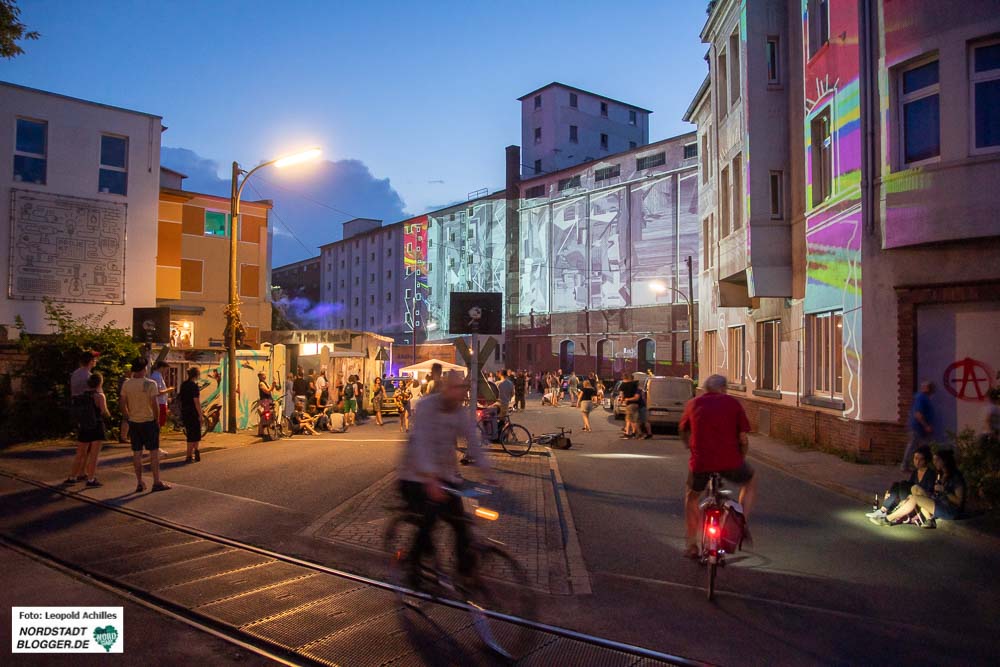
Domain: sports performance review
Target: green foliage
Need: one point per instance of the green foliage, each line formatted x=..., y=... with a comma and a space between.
x=979, y=461
x=12, y=30
x=41, y=408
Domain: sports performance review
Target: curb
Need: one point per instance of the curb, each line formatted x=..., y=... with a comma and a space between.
x=579, y=578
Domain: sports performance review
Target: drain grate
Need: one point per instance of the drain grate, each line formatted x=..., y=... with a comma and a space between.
x=232, y=584
x=259, y=605
x=199, y=568
x=326, y=617
x=569, y=652
x=147, y=560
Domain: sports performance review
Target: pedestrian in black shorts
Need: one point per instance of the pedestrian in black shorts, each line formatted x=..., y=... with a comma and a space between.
x=191, y=415
x=140, y=406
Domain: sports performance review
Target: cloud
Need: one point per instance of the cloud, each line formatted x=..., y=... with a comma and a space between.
x=312, y=200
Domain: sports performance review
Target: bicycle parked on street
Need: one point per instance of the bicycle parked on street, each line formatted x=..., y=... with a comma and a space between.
x=479, y=592
x=514, y=438
x=723, y=528
x=271, y=425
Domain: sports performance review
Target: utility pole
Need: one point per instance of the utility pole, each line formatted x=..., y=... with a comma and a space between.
x=691, y=334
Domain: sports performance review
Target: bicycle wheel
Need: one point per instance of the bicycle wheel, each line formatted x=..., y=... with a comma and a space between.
x=515, y=440
x=501, y=585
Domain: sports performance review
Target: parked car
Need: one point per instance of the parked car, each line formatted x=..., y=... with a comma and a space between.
x=666, y=398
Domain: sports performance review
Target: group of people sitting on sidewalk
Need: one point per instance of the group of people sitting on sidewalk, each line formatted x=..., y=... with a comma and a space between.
x=934, y=490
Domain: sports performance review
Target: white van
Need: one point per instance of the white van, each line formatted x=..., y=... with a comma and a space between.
x=666, y=398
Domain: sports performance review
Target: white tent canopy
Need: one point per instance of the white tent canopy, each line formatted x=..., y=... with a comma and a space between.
x=424, y=368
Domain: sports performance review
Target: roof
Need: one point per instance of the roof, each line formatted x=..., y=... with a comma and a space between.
x=702, y=89
x=77, y=99
x=172, y=171
x=585, y=92
x=187, y=194
x=311, y=260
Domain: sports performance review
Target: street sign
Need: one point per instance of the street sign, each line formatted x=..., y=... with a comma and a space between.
x=476, y=313
x=151, y=325
x=488, y=348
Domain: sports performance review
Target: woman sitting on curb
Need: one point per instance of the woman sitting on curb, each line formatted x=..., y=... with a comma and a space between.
x=923, y=476
x=945, y=501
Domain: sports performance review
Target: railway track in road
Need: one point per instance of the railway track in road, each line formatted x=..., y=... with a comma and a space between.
x=287, y=609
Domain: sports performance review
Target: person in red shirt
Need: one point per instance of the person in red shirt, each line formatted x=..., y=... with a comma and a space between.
x=714, y=427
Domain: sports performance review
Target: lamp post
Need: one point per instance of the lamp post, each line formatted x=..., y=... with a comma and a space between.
x=660, y=287
x=233, y=324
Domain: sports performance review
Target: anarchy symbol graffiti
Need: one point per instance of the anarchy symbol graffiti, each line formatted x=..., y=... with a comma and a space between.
x=968, y=379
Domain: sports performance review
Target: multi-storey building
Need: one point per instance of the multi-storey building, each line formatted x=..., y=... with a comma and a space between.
x=299, y=280
x=77, y=179
x=883, y=196
x=563, y=126
x=192, y=267
x=598, y=260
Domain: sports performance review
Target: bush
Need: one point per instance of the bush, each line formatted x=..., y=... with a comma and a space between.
x=979, y=461
x=41, y=408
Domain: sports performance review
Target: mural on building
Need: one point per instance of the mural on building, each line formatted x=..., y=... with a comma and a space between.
x=415, y=261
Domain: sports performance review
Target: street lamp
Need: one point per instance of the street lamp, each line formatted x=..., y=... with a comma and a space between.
x=660, y=287
x=233, y=324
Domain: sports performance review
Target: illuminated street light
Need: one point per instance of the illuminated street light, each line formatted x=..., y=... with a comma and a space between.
x=233, y=324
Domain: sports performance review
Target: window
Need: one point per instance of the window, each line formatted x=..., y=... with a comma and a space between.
x=355, y=321
x=341, y=284
x=191, y=275
x=821, y=154
x=357, y=260
x=691, y=150
x=724, y=202
x=704, y=158
x=357, y=301
x=604, y=142
x=529, y=352
x=709, y=354
x=371, y=278
x=773, y=64
x=409, y=246
x=357, y=280
x=535, y=191
x=538, y=135
x=633, y=117
x=573, y=134
x=737, y=177
x=538, y=101
x=604, y=109
x=371, y=300
x=371, y=320
x=686, y=351
x=777, y=205
x=408, y=294
x=706, y=235
x=538, y=166
x=388, y=253
x=768, y=354
x=826, y=361
x=721, y=84
x=650, y=161
x=632, y=144
x=249, y=280
x=342, y=323
x=819, y=25
x=388, y=275
x=30, y=149
x=920, y=110
x=572, y=182
x=734, y=67
x=216, y=223
x=735, y=354
x=985, y=85
x=371, y=257
x=572, y=100
x=113, y=173
x=388, y=297
x=607, y=172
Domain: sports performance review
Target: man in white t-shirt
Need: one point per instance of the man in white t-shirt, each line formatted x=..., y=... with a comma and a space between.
x=79, y=377
x=139, y=403
x=321, y=386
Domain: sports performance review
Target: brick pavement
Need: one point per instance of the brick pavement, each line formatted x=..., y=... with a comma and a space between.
x=528, y=526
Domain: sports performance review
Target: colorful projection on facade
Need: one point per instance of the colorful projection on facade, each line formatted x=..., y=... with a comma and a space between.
x=415, y=261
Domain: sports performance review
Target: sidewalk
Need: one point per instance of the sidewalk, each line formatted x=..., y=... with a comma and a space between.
x=859, y=481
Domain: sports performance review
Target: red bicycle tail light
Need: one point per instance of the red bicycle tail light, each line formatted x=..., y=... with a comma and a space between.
x=713, y=530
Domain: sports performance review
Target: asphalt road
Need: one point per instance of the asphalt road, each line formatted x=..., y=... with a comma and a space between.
x=820, y=585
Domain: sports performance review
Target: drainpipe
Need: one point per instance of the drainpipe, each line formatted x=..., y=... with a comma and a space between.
x=867, y=56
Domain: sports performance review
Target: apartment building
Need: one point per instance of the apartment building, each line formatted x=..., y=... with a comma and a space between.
x=79, y=185
x=851, y=257
x=563, y=126
x=299, y=280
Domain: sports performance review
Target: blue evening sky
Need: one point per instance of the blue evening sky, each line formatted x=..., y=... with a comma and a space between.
x=419, y=93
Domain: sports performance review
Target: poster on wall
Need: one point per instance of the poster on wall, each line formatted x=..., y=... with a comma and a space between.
x=67, y=249
x=476, y=313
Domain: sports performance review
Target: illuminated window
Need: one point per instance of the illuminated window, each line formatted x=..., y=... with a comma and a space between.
x=633, y=117
x=691, y=150
x=768, y=354
x=826, y=363
x=538, y=101
x=30, y=149
x=604, y=142
x=985, y=84
x=604, y=109
x=538, y=135
x=819, y=25
x=736, y=355
x=573, y=134
x=572, y=100
x=822, y=157
x=650, y=161
x=771, y=54
x=734, y=67
x=181, y=333
x=920, y=112
x=113, y=173
x=216, y=223
x=777, y=195
x=607, y=172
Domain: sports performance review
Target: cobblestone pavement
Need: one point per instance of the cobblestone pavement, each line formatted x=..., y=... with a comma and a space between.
x=528, y=526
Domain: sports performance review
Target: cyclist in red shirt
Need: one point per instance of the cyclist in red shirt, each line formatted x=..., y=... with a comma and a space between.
x=714, y=427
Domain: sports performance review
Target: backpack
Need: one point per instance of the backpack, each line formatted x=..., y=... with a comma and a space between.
x=734, y=528
x=83, y=411
x=349, y=391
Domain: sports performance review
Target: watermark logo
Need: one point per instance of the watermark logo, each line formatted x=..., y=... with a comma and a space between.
x=106, y=637
x=67, y=630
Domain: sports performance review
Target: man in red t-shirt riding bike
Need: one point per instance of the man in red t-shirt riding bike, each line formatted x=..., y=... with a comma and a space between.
x=714, y=427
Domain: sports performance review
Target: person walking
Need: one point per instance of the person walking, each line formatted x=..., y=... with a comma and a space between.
x=587, y=395
x=350, y=402
x=628, y=390
x=505, y=394
x=520, y=390
x=643, y=428
x=139, y=404
x=378, y=399
x=78, y=386
x=191, y=414
x=289, y=396
x=402, y=396
x=434, y=384
x=573, y=384
x=921, y=423
x=91, y=408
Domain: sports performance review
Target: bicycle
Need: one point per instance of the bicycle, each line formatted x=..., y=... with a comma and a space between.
x=556, y=440
x=723, y=528
x=271, y=424
x=514, y=438
x=478, y=592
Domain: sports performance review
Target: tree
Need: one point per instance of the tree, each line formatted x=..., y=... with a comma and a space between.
x=12, y=30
